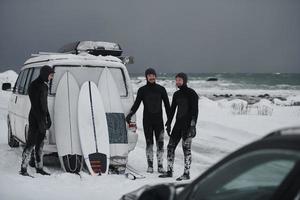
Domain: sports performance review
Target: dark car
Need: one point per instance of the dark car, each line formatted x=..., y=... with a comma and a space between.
x=268, y=169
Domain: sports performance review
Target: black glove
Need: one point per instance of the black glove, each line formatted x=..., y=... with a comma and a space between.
x=128, y=117
x=168, y=128
x=192, y=131
x=48, y=122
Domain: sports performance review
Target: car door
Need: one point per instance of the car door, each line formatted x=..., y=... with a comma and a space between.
x=21, y=103
x=12, y=104
x=256, y=175
x=32, y=75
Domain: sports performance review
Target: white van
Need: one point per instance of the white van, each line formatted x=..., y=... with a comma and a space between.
x=83, y=67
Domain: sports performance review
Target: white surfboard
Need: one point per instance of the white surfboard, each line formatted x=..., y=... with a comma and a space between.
x=93, y=131
x=115, y=116
x=65, y=124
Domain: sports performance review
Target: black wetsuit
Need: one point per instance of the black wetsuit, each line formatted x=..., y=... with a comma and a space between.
x=39, y=120
x=186, y=102
x=152, y=96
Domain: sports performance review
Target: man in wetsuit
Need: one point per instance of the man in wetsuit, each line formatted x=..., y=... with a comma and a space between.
x=152, y=95
x=39, y=120
x=186, y=102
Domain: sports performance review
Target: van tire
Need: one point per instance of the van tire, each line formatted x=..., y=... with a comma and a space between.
x=12, y=142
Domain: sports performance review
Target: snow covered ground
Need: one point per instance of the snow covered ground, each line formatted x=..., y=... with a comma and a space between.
x=220, y=130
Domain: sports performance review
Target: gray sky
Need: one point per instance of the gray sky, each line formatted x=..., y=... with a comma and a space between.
x=169, y=35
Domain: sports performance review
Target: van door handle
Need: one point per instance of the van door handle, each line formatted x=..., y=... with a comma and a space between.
x=16, y=99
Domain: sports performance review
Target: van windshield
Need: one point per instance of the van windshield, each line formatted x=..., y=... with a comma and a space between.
x=88, y=73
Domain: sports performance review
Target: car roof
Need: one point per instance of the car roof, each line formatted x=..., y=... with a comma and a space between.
x=282, y=142
x=284, y=131
x=81, y=59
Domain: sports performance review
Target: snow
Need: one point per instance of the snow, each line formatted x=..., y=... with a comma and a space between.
x=81, y=59
x=219, y=132
x=85, y=45
x=8, y=77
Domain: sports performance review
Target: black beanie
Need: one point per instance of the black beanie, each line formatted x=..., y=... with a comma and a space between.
x=45, y=71
x=183, y=76
x=150, y=71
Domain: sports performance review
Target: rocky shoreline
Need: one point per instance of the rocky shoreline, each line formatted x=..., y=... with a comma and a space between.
x=252, y=99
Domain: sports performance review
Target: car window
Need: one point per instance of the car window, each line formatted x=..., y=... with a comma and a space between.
x=28, y=81
x=21, y=85
x=21, y=88
x=15, y=89
x=91, y=73
x=252, y=176
x=298, y=196
x=81, y=75
x=35, y=74
x=120, y=80
x=32, y=75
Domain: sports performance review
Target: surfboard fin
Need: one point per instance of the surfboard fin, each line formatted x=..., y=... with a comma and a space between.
x=98, y=162
x=73, y=163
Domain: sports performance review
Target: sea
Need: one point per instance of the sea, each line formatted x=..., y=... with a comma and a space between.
x=249, y=84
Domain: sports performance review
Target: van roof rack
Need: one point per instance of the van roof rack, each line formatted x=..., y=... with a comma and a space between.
x=42, y=53
x=95, y=48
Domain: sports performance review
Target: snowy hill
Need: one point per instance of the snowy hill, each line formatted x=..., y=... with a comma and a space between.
x=9, y=76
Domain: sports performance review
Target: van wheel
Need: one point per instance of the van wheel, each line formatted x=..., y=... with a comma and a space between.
x=12, y=142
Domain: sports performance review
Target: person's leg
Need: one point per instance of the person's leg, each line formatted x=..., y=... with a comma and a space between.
x=186, y=147
x=173, y=142
x=148, y=131
x=39, y=150
x=32, y=159
x=31, y=141
x=26, y=155
x=39, y=154
x=159, y=137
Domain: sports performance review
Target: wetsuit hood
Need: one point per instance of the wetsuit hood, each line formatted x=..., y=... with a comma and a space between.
x=44, y=72
x=184, y=78
x=150, y=71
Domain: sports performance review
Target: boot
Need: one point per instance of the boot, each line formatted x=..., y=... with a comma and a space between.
x=150, y=170
x=160, y=169
x=24, y=172
x=41, y=171
x=185, y=176
x=167, y=174
x=32, y=162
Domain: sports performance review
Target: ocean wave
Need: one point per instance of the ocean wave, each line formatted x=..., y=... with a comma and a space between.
x=267, y=82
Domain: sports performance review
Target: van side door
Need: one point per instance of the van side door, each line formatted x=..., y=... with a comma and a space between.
x=32, y=75
x=21, y=104
x=12, y=104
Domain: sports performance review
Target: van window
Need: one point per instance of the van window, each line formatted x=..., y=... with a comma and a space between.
x=35, y=74
x=118, y=75
x=28, y=80
x=81, y=74
x=21, y=87
x=18, y=82
x=85, y=73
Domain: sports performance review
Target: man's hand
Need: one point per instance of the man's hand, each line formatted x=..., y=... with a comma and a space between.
x=128, y=118
x=168, y=128
x=192, y=131
x=48, y=122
